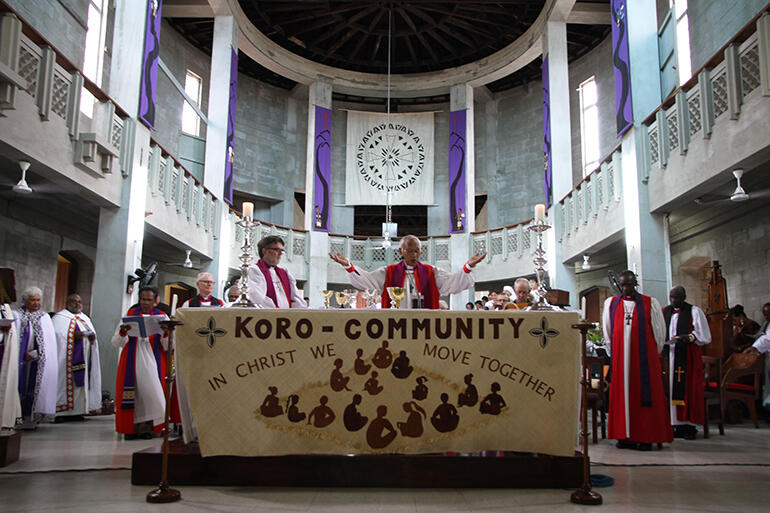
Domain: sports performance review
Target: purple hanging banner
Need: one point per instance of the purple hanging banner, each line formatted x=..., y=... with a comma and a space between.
x=228, y=192
x=322, y=169
x=624, y=114
x=457, y=200
x=547, y=171
x=149, y=85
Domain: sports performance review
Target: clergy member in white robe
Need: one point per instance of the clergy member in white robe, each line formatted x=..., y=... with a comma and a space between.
x=38, y=360
x=423, y=283
x=271, y=286
x=80, y=374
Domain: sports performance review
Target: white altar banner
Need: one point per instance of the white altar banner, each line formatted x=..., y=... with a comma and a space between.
x=274, y=382
x=398, y=158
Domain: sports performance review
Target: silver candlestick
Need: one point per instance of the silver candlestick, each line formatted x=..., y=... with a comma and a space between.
x=541, y=303
x=248, y=224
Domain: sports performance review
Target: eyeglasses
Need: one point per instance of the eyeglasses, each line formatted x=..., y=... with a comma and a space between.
x=411, y=251
x=280, y=251
x=209, y=282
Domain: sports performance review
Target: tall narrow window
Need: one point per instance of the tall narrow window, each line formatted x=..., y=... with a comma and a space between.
x=682, y=40
x=589, y=125
x=191, y=123
x=93, y=60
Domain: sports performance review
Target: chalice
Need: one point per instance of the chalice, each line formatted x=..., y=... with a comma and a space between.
x=342, y=297
x=396, y=295
x=327, y=295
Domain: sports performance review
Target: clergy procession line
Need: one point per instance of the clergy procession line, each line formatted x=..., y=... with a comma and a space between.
x=51, y=368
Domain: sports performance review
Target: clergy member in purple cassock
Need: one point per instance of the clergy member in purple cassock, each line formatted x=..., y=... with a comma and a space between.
x=38, y=369
x=634, y=326
x=80, y=374
x=688, y=331
x=271, y=286
x=10, y=408
x=204, y=298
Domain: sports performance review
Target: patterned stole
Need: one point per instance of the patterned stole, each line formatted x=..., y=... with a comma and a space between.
x=640, y=321
x=75, y=365
x=395, y=275
x=129, y=380
x=269, y=288
x=683, y=327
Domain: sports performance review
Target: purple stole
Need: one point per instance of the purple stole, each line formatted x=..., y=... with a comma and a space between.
x=269, y=289
x=129, y=379
x=78, y=358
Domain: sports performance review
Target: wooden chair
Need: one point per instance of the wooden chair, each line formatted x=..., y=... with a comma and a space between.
x=596, y=399
x=712, y=394
x=736, y=366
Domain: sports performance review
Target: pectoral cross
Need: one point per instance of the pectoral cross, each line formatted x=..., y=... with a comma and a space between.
x=679, y=373
x=629, y=318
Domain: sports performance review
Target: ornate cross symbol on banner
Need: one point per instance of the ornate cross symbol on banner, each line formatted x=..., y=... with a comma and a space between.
x=212, y=332
x=544, y=332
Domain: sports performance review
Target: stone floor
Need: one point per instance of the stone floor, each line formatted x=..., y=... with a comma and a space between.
x=84, y=467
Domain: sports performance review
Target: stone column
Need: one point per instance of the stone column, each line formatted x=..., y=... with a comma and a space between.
x=320, y=93
x=224, y=43
x=460, y=244
x=555, y=49
x=647, y=256
x=121, y=230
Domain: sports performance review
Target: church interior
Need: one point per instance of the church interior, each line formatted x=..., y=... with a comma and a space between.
x=651, y=157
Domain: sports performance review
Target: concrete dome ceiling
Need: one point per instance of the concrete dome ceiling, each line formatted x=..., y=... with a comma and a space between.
x=427, y=36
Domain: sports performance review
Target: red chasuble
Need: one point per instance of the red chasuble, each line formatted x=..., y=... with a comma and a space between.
x=649, y=423
x=425, y=280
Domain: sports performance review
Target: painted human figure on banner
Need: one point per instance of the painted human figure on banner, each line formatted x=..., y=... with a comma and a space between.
x=321, y=416
x=420, y=391
x=445, y=417
x=351, y=417
x=359, y=365
x=460, y=220
x=292, y=410
x=270, y=406
x=469, y=396
x=372, y=385
x=493, y=403
x=337, y=381
x=413, y=425
x=401, y=368
x=382, y=357
x=380, y=432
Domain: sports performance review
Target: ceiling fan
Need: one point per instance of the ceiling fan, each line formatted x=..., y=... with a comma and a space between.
x=586, y=266
x=188, y=263
x=738, y=195
x=23, y=188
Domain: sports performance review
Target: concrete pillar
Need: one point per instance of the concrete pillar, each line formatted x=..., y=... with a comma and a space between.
x=555, y=49
x=647, y=256
x=224, y=43
x=461, y=97
x=121, y=231
x=320, y=93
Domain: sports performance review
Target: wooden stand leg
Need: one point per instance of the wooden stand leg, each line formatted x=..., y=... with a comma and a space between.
x=584, y=494
x=163, y=493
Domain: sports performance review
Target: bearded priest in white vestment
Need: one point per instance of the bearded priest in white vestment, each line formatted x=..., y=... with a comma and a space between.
x=38, y=369
x=10, y=407
x=80, y=375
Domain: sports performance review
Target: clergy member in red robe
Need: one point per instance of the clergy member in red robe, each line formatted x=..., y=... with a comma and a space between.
x=424, y=283
x=634, y=325
x=271, y=286
x=687, y=330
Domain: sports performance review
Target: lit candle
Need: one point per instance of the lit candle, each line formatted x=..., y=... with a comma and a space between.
x=539, y=213
x=174, y=300
x=248, y=210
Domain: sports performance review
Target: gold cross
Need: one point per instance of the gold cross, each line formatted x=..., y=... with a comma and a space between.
x=679, y=373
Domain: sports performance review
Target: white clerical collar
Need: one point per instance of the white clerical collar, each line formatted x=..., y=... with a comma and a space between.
x=409, y=267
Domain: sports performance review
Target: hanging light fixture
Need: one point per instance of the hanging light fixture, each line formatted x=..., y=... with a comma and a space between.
x=388, y=226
